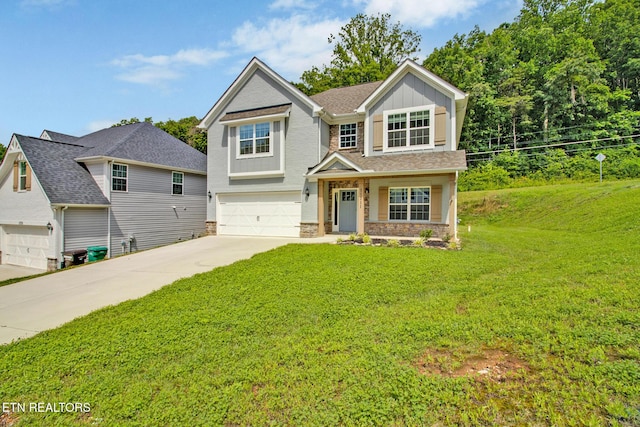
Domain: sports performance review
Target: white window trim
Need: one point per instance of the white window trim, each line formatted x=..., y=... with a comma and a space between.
x=20, y=175
x=407, y=111
x=340, y=147
x=254, y=154
x=408, y=188
x=174, y=183
x=126, y=179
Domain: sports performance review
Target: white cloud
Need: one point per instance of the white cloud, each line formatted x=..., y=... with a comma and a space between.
x=417, y=13
x=292, y=4
x=44, y=3
x=99, y=125
x=291, y=45
x=159, y=69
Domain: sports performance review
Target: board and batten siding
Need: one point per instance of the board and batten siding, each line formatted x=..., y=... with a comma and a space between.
x=84, y=227
x=146, y=211
x=256, y=164
x=409, y=92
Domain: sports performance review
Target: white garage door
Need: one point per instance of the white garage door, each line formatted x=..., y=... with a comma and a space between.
x=26, y=245
x=265, y=214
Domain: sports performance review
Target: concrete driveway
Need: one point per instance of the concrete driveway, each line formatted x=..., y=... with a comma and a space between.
x=8, y=271
x=46, y=302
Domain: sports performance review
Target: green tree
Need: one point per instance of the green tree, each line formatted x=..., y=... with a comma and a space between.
x=367, y=49
x=131, y=121
x=186, y=130
x=615, y=26
x=3, y=149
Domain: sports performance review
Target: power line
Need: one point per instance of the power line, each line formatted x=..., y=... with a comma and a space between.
x=561, y=144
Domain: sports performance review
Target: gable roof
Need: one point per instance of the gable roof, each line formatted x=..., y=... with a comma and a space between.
x=254, y=65
x=142, y=143
x=408, y=66
x=63, y=180
x=396, y=164
x=345, y=100
x=57, y=136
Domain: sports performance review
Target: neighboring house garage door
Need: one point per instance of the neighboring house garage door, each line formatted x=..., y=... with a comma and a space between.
x=265, y=214
x=25, y=245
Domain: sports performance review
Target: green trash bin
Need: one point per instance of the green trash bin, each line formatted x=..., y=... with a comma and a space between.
x=96, y=253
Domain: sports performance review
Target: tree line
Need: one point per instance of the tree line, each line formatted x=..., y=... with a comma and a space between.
x=564, y=70
x=562, y=73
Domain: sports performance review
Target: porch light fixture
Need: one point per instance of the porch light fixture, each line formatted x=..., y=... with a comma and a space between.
x=49, y=226
x=209, y=194
x=306, y=191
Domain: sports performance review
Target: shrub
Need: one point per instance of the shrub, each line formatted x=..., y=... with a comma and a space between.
x=393, y=243
x=426, y=233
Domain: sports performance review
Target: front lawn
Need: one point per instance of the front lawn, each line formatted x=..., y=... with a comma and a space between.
x=535, y=321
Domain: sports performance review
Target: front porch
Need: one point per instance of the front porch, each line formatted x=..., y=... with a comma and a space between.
x=400, y=206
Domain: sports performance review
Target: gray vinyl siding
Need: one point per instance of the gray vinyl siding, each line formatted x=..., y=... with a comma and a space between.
x=146, y=210
x=301, y=144
x=99, y=173
x=84, y=227
x=409, y=92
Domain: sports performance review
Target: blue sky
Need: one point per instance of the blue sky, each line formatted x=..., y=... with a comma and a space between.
x=77, y=66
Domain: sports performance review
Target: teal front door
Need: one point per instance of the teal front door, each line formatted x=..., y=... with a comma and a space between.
x=347, y=211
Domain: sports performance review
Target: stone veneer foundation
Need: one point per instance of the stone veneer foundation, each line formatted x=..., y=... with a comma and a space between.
x=308, y=229
x=211, y=228
x=404, y=229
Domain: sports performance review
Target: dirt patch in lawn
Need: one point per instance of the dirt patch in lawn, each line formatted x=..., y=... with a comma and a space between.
x=492, y=364
x=7, y=419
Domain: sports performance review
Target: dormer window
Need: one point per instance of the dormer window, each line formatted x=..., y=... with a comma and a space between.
x=348, y=135
x=409, y=129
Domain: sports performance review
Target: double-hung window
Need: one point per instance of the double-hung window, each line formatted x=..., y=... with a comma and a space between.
x=409, y=203
x=348, y=135
x=22, y=176
x=119, y=177
x=254, y=139
x=409, y=129
x=177, y=183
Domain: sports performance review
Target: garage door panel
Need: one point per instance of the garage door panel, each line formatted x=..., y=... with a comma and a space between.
x=266, y=214
x=26, y=246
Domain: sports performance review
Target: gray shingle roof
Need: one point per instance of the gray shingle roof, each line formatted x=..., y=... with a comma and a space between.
x=63, y=180
x=424, y=162
x=256, y=112
x=60, y=137
x=142, y=142
x=345, y=100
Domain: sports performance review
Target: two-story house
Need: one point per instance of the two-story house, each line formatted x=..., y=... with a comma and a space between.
x=125, y=188
x=380, y=158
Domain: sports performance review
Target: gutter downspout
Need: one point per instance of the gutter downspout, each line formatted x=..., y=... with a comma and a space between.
x=109, y=231
x=62, y=231
x=107, y=192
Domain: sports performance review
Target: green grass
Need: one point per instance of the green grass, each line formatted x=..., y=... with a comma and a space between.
x=330, y=334
x=20, y=279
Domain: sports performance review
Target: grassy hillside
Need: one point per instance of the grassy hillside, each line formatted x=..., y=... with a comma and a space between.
x=534, y=322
